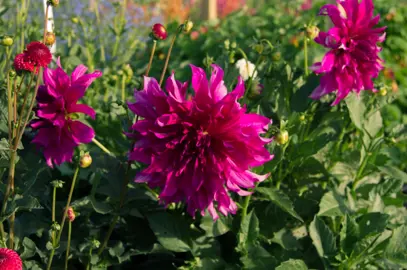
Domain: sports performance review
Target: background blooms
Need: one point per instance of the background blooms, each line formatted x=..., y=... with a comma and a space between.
x=36, y=55
x=198, y=149
x=57, y=100
x=246, y=69
x=352, y=61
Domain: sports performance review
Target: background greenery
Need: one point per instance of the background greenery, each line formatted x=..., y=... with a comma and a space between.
x=309, y=214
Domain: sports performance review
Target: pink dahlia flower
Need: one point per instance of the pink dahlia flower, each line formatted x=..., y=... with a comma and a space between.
x=198, y=148
x=57, y=100
x=352, y=61
x=9, y=260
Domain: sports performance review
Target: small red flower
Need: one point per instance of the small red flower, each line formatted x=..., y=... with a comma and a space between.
x=20, y=64
x=9, y=260
x=38, y=54
x=159, y=31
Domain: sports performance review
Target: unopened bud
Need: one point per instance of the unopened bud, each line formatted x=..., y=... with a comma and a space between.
x=227, y=44
x=208, y=61
x=233, y=45
x=71, y=214
x=75, y=19
x=85, y=161
x=7, y=41
x=259, y=48
x=302, y=118
x=383, y=91
x=12, y=73
x=188, y=26
x=312, y=31
x=55, y=227
x=49, y=39
x=158, y=31
x=95, y=243
x=161, y=56
x=282, y=137
x=57, y=183
x=276, y=56
x=53, y=3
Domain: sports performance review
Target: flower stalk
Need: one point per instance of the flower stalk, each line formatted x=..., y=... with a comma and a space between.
x=150, y=62
x=169, y=54
x=68, y=246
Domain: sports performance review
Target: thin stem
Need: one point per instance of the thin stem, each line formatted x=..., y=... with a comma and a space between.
x=102, y=47
x=168, y=58
x=45, y=22
x=68, y=244
x=102, y=147
x=9, y=103
x=360, y=172
x=15, y=104
x=108, y=234
x=123, y=88
x=20, y=119
x=151, y=57
x=54, y=195
x=280, y=168
x=75, y=176
x=245, y=206
x=306, y=56
x=90, y=258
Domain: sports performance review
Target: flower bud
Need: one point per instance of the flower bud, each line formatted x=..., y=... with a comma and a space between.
x=53, y=3
x=85, y=161
x=255, y=89
x=57, y=183
x=282, y=137
x=383, y=91
x=188, y=26
x=259, y=48
x=312, y=31
x=7, y=41
x=394, y=86
x=194, y=35
x=208, y=61
x=161, y=56
x=49, y=39
x=227, y=44
x=55, y=226
x=233, y=45
x=95, y=243
x=12, y=73
x=75, y=19
x=276, y=56
x=159, y=31
x=71, y=214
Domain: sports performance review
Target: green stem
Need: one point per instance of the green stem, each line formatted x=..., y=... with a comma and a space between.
x=360, y=171
x=151, y=57
x=123, y=88
x=108, y=234
x=306, y=56
x=68, y=244
x=54, y=195
x=102, y=47
x=9, y=102
x=168, y=56
x=280, y=168
x=245, y=206
x=102, y=147
x=75, y=176
x=90, y=258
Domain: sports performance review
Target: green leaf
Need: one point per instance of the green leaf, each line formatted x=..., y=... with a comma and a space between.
x=171, y=231
x=99, y=206
x=280, y=199
x=300, y=100
x=394, y=172
x=249, y=230
x=396, y=250
x=323, y=238
x=356, y=109
x=258, y=258
x=372, y=223
x=29, y=248
x=349, y=234
x=373, y=124
x=286, y=240
x=292, y=265
x=217, y=228
x=389, y=187
x=21, y=203
x=332, y=205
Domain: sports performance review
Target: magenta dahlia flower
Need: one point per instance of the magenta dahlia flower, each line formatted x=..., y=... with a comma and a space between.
x=352, y=61
x=58, y=134
x=9, y=260
x=197, y=149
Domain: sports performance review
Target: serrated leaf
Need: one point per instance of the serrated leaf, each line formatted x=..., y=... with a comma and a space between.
x=249, y=230
x=171, y=231
x=280, y=199
x=373, y=124
x=29, y=248
x=323, y=238
x=332, y=205
x=217, y=228
x=372, y=223
x=292, y=265
x=258, y=258
x=389, y=187
x=394, y=172
x=286, y=240
x=349, y=234
x=396, y=250
x=356, y=109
